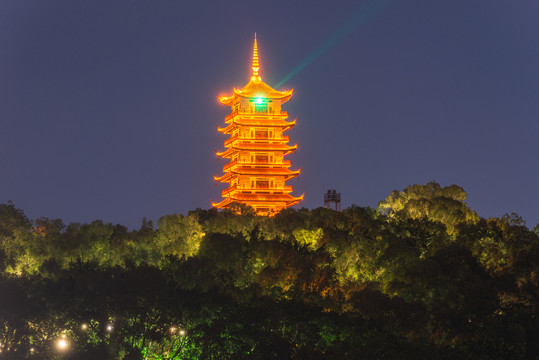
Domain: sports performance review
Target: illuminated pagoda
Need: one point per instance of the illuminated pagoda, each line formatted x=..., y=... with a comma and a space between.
x=257, y=171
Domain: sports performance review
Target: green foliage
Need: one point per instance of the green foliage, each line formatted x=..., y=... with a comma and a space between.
x=420, y=277
x=431, y=201
x=229, y=222
x=12, y=220
x=177, y=236
x=309, y=239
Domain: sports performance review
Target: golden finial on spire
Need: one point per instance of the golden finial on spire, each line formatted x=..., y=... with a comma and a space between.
x=256, y=65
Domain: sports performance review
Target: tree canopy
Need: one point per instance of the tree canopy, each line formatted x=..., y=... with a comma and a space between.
x=422, y=276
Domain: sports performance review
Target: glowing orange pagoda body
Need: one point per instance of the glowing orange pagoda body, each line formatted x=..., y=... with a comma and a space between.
x=257, y=172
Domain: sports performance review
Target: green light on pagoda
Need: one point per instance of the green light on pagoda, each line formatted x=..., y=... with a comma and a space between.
x=259, y=101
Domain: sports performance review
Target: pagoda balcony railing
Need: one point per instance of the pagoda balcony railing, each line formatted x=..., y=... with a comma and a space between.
x=242, y=112
x=282, y=139
x=266, y=138
x=227, y=191
x=285, y=163
x=287, y=188
x=226, y=167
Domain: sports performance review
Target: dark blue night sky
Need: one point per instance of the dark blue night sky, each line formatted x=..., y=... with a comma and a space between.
x=108, y=109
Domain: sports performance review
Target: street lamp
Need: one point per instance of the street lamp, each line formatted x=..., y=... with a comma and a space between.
x=62, y=343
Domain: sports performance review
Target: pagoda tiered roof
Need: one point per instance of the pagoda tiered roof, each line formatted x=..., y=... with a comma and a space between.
x=234, y=164
x=257, y=88
x=287, y=149
x=235, y=140
x=242, y=121
x=288, y=199
x=257, y=171
x=234, y=188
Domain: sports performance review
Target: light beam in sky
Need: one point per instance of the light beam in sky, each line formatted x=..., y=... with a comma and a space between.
x=364, y=14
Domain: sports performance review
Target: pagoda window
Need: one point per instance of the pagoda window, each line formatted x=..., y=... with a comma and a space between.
x=261, y=158
x=262, y=183
x=271, y=134
x=261, y=133
x=261, y=105
x=271, y=184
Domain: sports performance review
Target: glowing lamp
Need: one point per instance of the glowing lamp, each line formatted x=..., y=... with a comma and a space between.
x=62, y=343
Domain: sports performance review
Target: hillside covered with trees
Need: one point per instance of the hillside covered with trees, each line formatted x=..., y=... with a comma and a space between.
x=421, y=277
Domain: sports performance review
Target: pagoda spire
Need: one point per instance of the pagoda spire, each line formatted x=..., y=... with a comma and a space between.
x=256, y=65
